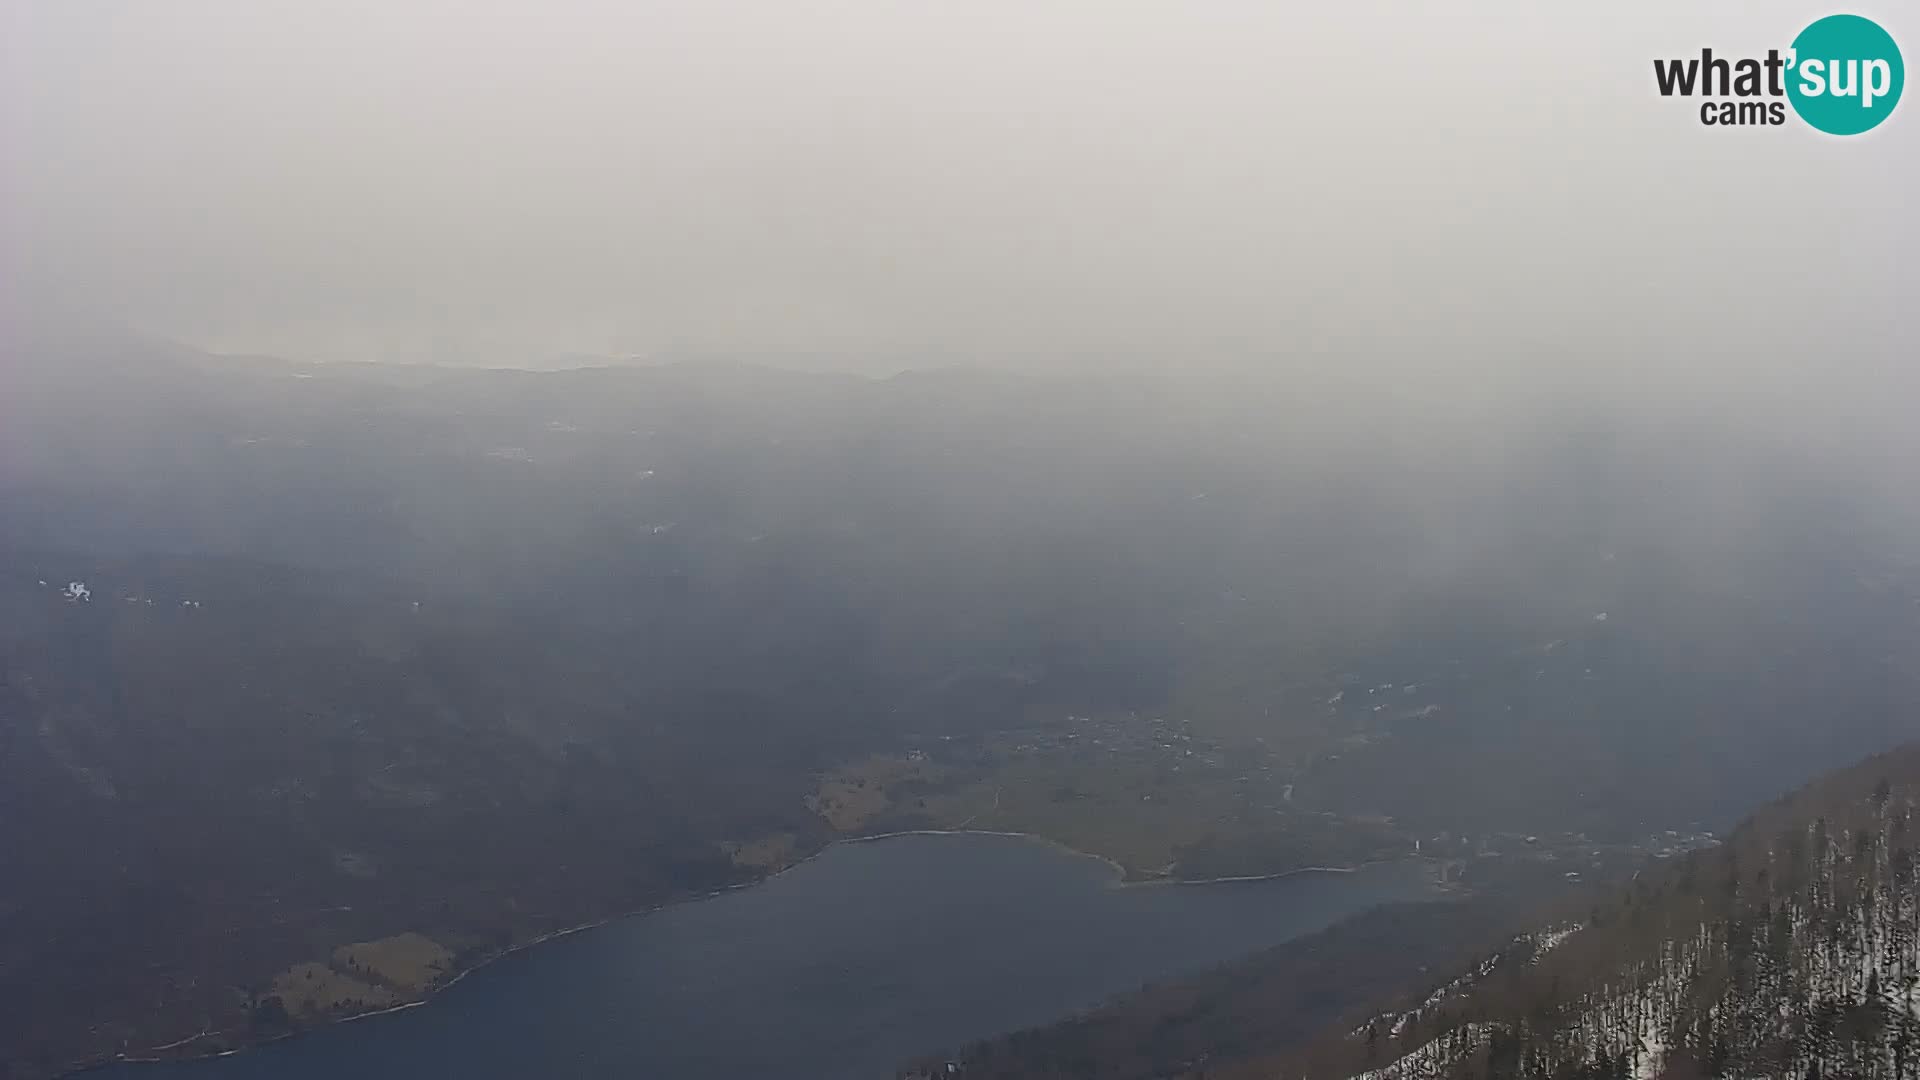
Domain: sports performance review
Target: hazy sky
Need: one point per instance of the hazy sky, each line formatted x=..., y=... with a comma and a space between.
x=875, y=184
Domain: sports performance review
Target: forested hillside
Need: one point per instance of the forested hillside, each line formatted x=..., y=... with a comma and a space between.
x=1792, y=951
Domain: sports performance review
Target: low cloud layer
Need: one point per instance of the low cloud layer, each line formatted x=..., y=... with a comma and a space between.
x=1475, y=199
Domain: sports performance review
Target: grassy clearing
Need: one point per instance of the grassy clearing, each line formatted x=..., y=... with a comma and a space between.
x=408, y=962
x=1142, y=794
x=852, y=797
x=1131, y=812
x=363, y=975
x=315, y=990
x=775, y=851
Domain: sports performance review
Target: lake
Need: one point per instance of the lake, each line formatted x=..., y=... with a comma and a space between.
x=841, y=968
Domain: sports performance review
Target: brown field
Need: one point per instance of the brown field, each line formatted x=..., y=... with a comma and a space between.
x=315, y=989
x=775, y=851
x=851, y=797
x=407, y=962
x=363, y=975
x=1120, y=810
x=1152, y=802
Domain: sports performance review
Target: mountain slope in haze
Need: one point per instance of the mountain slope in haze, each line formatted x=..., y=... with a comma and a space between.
x=1791, y=951
x=1262, y=1005
x=371, y=652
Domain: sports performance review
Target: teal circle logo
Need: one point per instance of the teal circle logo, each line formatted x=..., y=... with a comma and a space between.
x=1845, y=75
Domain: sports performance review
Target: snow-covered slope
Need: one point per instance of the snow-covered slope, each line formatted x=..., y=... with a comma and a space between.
x=1792, y=952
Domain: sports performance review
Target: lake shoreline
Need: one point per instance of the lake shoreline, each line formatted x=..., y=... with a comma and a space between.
x=1126, y=878
x=179, y=1051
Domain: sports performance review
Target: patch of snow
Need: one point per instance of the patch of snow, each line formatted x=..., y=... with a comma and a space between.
x=1548, y=940
x=1651, y=1060
x=1433, y=1058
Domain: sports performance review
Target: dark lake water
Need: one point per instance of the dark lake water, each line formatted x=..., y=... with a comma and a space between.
x=840, y=968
